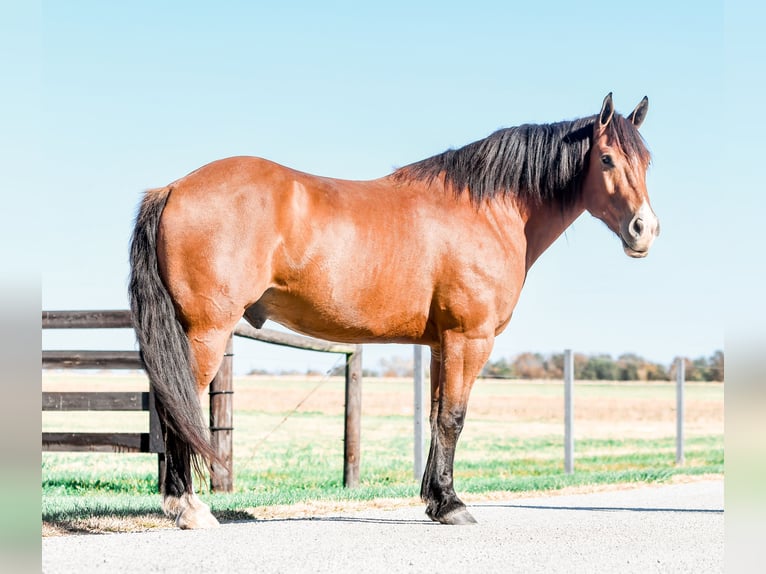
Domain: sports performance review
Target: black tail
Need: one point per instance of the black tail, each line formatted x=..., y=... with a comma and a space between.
x=163, y=342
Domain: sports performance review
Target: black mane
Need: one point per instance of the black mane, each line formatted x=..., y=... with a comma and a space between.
x=540, y=162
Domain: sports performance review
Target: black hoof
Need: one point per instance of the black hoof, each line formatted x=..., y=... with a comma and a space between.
x=459, y=517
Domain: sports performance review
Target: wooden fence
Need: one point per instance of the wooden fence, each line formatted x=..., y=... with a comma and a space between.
x=221, y=395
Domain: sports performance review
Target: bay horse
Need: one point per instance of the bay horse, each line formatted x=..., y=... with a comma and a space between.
x=435, y=253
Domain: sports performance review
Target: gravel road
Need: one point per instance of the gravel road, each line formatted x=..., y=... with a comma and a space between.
x=671, y=528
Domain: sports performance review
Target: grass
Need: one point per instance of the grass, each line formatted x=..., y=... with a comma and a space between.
x=505, y=447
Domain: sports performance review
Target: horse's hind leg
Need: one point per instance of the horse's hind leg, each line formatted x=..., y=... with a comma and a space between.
x=179, y=501
x=207, y=344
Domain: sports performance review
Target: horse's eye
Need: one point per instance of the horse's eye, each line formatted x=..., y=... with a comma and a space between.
x=606, y=160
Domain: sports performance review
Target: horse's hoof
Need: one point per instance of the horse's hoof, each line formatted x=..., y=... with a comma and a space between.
x=191, y=512
x=458, y=516
x=196, y=520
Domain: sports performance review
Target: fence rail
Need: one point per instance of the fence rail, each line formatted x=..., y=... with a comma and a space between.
x=221, y=395
x=97, y=442
x=92, y=360
x=87, y=320
x=75, y=401
x=145, y=442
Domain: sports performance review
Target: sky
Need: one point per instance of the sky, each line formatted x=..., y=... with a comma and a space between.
x=135, y=95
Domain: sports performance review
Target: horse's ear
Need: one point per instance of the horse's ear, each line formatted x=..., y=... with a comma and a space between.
x=638, y=115
x=607, y=111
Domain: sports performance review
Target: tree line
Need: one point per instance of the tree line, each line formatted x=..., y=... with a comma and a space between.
x=602, y=367
x=597, y=367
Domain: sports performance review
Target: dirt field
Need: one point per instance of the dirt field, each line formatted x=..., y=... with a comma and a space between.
x=645, y=410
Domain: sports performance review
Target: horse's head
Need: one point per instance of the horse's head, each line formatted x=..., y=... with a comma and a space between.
x=614, y=189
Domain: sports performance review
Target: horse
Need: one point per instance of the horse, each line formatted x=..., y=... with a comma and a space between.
x=439, y=249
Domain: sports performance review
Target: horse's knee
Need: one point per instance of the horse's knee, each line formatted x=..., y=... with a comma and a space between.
x=450, y=423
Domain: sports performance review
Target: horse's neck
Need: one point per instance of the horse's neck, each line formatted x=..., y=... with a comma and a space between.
x=544, y=224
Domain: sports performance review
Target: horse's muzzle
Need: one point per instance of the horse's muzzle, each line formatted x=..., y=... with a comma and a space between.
x=639, y=232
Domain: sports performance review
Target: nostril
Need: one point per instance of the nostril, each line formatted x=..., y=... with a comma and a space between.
x=637, y=229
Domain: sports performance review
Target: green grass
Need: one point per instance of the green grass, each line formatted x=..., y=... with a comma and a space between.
x=77, y=486
x=301, y=460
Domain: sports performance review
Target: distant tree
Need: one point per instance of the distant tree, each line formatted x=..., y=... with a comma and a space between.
x=529, y=366
x=396, y=367
x=656, y=372
x=291, y=372
x=694, y=370
x=600, y=368
x=500, y=369
x=715, y=369
x=580, y=363
x=258, y=371
x=701, y=368
x=554, y=366
x=630, y=367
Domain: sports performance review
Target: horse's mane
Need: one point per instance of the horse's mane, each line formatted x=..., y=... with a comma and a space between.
x=541, y=162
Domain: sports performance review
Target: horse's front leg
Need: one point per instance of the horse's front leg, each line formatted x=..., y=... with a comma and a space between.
x=454, y=368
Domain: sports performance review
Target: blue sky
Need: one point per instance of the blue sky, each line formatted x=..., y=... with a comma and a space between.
x=135, y=95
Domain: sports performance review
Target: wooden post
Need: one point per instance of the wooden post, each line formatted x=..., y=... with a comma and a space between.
x=418, y=416
x=680, y=377
x=156, y=440
x=221, y=423
x=353, y=422
x=568, y=412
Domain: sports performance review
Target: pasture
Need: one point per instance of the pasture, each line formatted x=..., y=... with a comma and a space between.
x=512, y=442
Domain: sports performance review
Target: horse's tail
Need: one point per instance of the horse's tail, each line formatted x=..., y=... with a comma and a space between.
x=162, y=340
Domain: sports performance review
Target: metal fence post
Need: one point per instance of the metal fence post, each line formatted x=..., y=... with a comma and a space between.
x=418, y=416
x=568, y=411
x=680, y=377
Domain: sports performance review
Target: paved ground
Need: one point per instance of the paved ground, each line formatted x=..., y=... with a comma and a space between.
x=674, y=528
